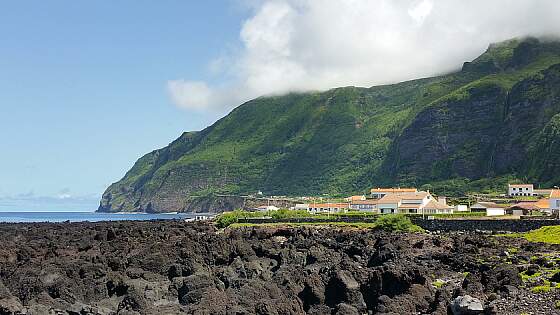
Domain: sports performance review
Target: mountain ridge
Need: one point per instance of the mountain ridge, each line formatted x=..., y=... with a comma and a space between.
x=346, y=140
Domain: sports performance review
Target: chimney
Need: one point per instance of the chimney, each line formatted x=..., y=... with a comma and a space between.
x=442, y=200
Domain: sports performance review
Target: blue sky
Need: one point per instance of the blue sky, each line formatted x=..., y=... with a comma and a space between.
x=87, y=87
x=83, y=90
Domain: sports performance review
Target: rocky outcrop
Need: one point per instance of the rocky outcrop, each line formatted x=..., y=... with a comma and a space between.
x=484, y=131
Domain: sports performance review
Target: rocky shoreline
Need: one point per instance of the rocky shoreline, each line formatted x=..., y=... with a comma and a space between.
x=170, y=267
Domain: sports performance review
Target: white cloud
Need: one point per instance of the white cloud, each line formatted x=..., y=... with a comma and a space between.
x=295, y=45
x=190, y=94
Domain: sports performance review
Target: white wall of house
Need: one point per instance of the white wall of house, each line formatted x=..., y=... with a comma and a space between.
x=364, y=207
x=461, y=208
x=388, y=208
x=521, y=190
x=555, y=204
x=495, y=212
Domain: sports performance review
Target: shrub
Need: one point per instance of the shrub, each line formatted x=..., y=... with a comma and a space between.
x=226, y=219
x=285, y=214
x=396, y=223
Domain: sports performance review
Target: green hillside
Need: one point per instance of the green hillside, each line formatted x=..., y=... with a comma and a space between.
x=493, y=119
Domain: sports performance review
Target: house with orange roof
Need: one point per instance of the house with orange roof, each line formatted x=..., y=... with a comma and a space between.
x=523, y=208
x=543, y=204
x=378, y=193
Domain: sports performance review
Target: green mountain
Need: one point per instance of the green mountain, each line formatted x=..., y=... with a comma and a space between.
x=497, y=118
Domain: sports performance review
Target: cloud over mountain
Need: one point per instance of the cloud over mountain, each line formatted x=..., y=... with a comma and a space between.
x=291, y=45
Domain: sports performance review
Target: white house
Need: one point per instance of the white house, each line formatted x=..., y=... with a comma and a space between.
x=328, y=207
x=378, y=193
x=521, y=190
x=413, y=202
x=436, y=207
x=554, y=201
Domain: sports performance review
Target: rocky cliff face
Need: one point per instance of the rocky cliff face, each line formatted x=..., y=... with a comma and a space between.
x=487, y=131
x=492, y=118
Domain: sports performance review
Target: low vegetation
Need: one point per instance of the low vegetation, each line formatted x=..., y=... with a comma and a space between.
x=388, y=222
x=396, y=223
x=546, y=234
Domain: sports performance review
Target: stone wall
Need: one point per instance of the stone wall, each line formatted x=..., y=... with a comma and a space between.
x=484, y=225
x=435, y=225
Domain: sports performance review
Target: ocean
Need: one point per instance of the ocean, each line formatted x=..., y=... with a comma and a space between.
x=15, y=217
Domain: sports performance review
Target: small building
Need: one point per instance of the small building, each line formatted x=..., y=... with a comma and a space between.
x=461, y=208
x=364, y=205
x=523, y=208
x=378, y=193
x=267, y=208
x=328, y=207
x=491, y=208
x=520, y=190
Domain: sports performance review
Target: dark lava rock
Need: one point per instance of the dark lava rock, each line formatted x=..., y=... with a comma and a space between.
x=532, y=269
x=176, y=267
x=555, y=277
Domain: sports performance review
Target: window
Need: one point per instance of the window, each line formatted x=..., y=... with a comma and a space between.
x=514, y=188
x=527, y=188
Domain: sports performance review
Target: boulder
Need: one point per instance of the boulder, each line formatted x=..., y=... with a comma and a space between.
x=466, y=305
x=345, y=309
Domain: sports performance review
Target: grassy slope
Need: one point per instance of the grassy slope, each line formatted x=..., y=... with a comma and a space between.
x=334, y=141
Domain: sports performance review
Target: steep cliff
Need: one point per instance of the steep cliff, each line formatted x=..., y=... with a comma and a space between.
x=492, y=118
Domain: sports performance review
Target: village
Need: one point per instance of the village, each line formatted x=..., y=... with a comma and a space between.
x=517, y=201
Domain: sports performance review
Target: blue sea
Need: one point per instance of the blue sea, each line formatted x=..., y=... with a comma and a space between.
x=13, y=217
